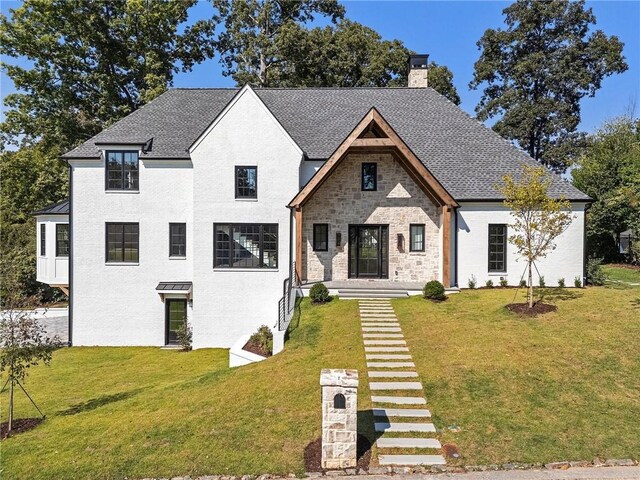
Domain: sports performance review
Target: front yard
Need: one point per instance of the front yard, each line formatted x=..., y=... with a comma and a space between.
x=564, y=386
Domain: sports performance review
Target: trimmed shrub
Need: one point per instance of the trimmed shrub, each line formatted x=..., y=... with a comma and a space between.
x=561, y=282
x=434, y=290
x=263, y=338
x=523, y=283
x=541, y=281
x=472, y=282
x=577, y=282
x=319, y=293
x=504, y=282
x=489, y=283
x=184, y=334
x=595, y=275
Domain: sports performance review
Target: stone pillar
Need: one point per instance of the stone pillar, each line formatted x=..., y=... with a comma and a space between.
x=339, y=418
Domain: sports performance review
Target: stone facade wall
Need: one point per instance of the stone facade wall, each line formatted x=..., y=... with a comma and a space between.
x=398, y=202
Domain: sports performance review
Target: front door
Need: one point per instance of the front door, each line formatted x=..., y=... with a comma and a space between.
x=175, y=315
x=368, y=251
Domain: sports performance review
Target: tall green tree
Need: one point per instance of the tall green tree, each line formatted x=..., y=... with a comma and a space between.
x=248, y=45
x=536, y=71
x=90, y=63
x=609, y=172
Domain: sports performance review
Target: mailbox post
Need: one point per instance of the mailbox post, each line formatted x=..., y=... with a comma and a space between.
x=339, y=418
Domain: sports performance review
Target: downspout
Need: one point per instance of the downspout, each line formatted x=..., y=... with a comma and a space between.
x=70, y=273
x=585, y=258
x=455, y=249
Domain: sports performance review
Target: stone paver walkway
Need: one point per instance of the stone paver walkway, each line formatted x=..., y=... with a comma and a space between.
x=404, y=428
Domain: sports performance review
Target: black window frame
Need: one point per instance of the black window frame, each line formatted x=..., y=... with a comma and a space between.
x=316, y=226
x=61, y=250
x=122, y=187
x=237, y=187
x=411, y=239
x=231, y=226
x=122, y=242
x=172, y=235
x=504, y=248
x=43, y=240
x=375, y=176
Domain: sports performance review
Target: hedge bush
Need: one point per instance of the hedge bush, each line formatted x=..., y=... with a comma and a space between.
x=319, y=293
x=434, y=290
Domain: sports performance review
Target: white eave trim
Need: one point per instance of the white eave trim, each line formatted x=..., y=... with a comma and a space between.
x=249, y=91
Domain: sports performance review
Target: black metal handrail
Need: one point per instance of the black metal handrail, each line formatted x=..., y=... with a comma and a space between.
x=287, y=304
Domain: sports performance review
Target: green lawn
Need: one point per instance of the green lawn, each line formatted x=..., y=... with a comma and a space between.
x=562, y=386
x=621, y=273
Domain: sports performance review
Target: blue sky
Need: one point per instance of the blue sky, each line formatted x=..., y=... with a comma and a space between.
x=448, y=32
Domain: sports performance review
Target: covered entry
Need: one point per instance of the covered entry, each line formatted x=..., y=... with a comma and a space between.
x=368, y=251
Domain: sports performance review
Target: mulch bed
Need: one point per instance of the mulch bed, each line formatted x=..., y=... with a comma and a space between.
x=625, y=265
x=255, y=348
x=538, y=308
x=19, y=425
x=313, y=455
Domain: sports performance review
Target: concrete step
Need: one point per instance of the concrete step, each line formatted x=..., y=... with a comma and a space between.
x=395, y=386
x=358, y=294
x=399, y=400
x=401, y=412
x=408, y=443
x=385, y=342
x=387, y=356
x=382, y=335
x=411, y=460
x=388, y=374
x=380, y=324
x=386, y=349
x=381, y=329
x=390, y=364
x=387, y=320
x=393, y=427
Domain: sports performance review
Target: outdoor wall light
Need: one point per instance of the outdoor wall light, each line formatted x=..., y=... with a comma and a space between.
x=338, y=239
x=400, y=242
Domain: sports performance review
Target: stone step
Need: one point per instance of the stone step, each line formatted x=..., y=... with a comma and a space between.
x=395, y=386
x=380, y=324
x=411, y=460
x=385, y=342
x=377, y=315
x=375, y=374
x=404, y=427
x=383, y=335
x=375, y=309
x=401, y=412
x=408, y=443
x=369, y=295
x=384, y=322
x=399, y=400
x=386, y=349
x=386, y=356
x=390, y=364
x=374, y=301
x=378, y=319
x=381, y=329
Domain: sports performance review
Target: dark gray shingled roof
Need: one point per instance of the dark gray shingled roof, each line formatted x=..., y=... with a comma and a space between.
x=60, y=208
x=468, y=158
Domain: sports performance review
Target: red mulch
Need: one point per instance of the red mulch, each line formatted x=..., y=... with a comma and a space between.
x=19, y=425
x=255, y=348
x=538, y=308
x=313, y=455
x=451, y=450
x=625, y=265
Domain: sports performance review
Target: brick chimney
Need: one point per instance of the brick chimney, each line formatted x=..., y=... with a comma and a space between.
x=418, y=71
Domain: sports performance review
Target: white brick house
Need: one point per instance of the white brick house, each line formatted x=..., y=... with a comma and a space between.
x=202, y=202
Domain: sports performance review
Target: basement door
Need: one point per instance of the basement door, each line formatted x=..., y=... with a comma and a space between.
x=175, y=315
x=368, y=251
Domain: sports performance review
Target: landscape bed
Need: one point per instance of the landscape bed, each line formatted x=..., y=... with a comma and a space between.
x=502, y=387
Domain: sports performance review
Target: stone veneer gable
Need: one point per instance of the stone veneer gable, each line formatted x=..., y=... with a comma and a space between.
x=398, y=202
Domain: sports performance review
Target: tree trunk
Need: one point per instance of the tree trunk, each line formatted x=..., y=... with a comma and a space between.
x=530, y=292
x=263, y=71
x=10, y=424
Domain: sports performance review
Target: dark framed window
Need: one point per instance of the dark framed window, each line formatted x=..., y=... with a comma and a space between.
x=239, y=245
x=123, y=242
x=369, y=177
x=497, y=247
x=43, y=239
x=177, y=239
x=416, y=237
x=121, y=170
x=62, y=239
x=320, y=237
x=246, y=182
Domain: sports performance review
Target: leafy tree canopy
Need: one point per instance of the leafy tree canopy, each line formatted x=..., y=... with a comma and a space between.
x=609, y=172
x=90, y=63
x=536, y=71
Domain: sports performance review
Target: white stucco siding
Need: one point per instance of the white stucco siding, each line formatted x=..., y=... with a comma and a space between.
x=51, y=269
x=566, y=261
x=115, y=304
x=228, y=303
